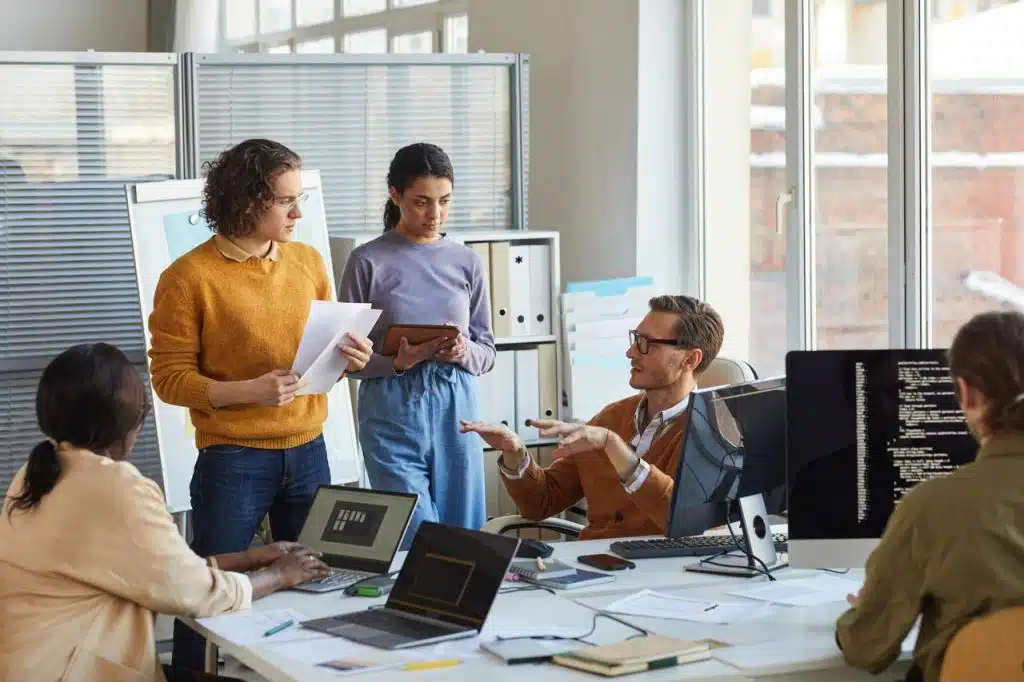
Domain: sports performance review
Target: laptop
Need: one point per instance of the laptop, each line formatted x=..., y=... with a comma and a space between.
x=444, y=591
x=357, y=532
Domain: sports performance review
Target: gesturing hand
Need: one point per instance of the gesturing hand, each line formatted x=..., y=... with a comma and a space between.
x=412, y=354
x=357, y=354
x=573, y=438
x=275, y=388
x=497, y=436
x=453, y=351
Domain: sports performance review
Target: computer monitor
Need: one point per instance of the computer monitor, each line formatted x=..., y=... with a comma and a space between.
x=863, y=427
x=734, y=445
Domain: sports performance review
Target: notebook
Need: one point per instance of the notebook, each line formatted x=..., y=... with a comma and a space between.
x=531, y=569
x=574, y=580
x=650, y=652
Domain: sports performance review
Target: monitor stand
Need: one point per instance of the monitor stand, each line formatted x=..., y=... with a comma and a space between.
x=758, y=543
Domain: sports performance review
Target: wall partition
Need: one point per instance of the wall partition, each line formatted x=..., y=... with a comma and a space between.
x=74, y=128
x=346, y=115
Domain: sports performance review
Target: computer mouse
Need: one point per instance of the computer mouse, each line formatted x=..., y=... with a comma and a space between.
x=532, y=549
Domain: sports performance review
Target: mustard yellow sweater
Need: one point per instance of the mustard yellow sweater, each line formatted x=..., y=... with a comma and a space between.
x=219, y=316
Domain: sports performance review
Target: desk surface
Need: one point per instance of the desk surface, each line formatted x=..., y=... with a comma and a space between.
x=574, y=610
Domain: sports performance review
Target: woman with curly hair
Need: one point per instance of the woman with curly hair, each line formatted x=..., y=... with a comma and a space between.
x=226, y=323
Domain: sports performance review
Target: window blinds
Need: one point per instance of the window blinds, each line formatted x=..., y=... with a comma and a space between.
x=347, y=115
x=71, y=136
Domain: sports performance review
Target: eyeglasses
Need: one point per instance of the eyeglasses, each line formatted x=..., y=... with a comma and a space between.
x=289, y=203
x=643, y=343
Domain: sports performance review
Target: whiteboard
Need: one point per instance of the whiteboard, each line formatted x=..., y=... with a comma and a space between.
x=165, y=224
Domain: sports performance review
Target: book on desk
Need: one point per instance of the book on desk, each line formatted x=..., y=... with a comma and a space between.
x=650, y=652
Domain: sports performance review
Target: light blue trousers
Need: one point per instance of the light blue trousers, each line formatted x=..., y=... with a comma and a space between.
x=409, y=433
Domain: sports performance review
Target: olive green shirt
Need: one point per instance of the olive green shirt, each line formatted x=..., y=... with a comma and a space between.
x=953, y=550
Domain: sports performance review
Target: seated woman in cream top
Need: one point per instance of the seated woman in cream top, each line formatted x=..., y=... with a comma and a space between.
x=89, y=553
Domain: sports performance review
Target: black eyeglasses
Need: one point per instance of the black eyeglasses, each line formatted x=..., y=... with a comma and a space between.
x=643, y=343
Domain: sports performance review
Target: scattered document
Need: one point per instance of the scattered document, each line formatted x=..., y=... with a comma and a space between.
x=808, y=652
x=651, y=604
x=318, y=362
x=802, y=591
x=250, y=627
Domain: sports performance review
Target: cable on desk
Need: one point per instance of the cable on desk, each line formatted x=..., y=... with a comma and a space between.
x=581, y=638
x=837, y=571
x=526, y=588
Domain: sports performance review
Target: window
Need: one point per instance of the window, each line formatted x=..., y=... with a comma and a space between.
x=240, y=19
x=321, y=45
x=456, y=34
x=762, y=8
x=267, y=25
x=374, y=41
x=275, y=15
x=313, y=12
x=357, y=8
x=413, y=43
x=283, y=48
x=977, y=160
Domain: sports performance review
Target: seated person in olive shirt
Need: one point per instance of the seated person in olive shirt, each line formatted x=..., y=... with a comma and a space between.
x=953, y=549
x=623, y=461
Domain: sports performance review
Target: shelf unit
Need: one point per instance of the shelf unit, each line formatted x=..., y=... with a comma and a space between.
x=342, y=247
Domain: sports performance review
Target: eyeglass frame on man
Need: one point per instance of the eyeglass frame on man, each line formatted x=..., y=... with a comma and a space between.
x=635, y=337
x=288, y=203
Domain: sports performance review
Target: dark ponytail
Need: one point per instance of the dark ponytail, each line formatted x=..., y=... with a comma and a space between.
x=988, y=354
x=89, y=397
x=41, y=474
x=419, y=160
x=392, y=214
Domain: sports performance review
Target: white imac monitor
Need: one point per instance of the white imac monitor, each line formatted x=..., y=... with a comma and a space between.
x=862, y=428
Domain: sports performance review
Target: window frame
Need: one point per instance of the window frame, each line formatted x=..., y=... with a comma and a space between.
x=395, y=20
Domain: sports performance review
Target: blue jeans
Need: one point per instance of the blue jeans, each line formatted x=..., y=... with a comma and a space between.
x=409, y=433
x=233, y=488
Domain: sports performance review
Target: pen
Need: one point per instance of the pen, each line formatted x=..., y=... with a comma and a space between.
x=431, y=665
x=712, y=607
x=279, y=628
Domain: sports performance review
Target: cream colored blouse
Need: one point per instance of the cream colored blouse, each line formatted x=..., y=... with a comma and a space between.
x=83, y=575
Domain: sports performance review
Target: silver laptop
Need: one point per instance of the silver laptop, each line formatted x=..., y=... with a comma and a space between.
x=357, y=532
x=445, y=590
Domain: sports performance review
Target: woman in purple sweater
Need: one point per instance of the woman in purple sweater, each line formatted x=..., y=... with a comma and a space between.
x=410, y=405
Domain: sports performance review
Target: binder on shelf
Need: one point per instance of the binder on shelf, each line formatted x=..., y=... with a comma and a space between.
x=547, y=381
x=497, y=399
x=500, y=256
x=526, y=393
x=520, y=305
x=539, y=322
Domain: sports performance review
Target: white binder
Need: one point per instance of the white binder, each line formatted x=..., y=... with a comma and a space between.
x=547, y=380
x=519, y=290
x=539, y=323
x=527, y=403
x=497, y=392
x=501, y=320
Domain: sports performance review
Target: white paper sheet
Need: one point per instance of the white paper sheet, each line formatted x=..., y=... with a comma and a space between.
x=318, y=362
x=248, y=627
x=326, y=319
x=814, y=591
x=650, y=604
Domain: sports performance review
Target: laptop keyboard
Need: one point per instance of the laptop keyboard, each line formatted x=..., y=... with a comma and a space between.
x=395, y=625
x=337, y=578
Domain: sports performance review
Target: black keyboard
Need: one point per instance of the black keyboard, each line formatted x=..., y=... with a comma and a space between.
x=694, y=545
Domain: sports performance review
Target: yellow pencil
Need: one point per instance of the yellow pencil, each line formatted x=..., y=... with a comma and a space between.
x=430, y=665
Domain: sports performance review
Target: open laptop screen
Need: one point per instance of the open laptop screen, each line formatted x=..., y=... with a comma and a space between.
x=452, y=574
x=356, y=528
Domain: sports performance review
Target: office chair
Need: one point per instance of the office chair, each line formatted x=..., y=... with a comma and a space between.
x=988, y=648
x=722, y=371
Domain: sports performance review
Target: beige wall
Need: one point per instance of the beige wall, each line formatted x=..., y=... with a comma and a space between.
x=101, y=25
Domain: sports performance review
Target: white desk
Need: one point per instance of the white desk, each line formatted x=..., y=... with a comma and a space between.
x=572, y=609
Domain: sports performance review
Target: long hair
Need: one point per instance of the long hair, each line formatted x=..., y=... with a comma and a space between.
x=89, y=396
x=988, y=354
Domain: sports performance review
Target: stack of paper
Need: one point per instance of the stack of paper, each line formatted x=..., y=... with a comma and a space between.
x=820, y=589
x=651, y=604
x=318, y=362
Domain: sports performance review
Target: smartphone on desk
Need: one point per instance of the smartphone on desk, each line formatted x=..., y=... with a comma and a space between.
x=605, y=562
